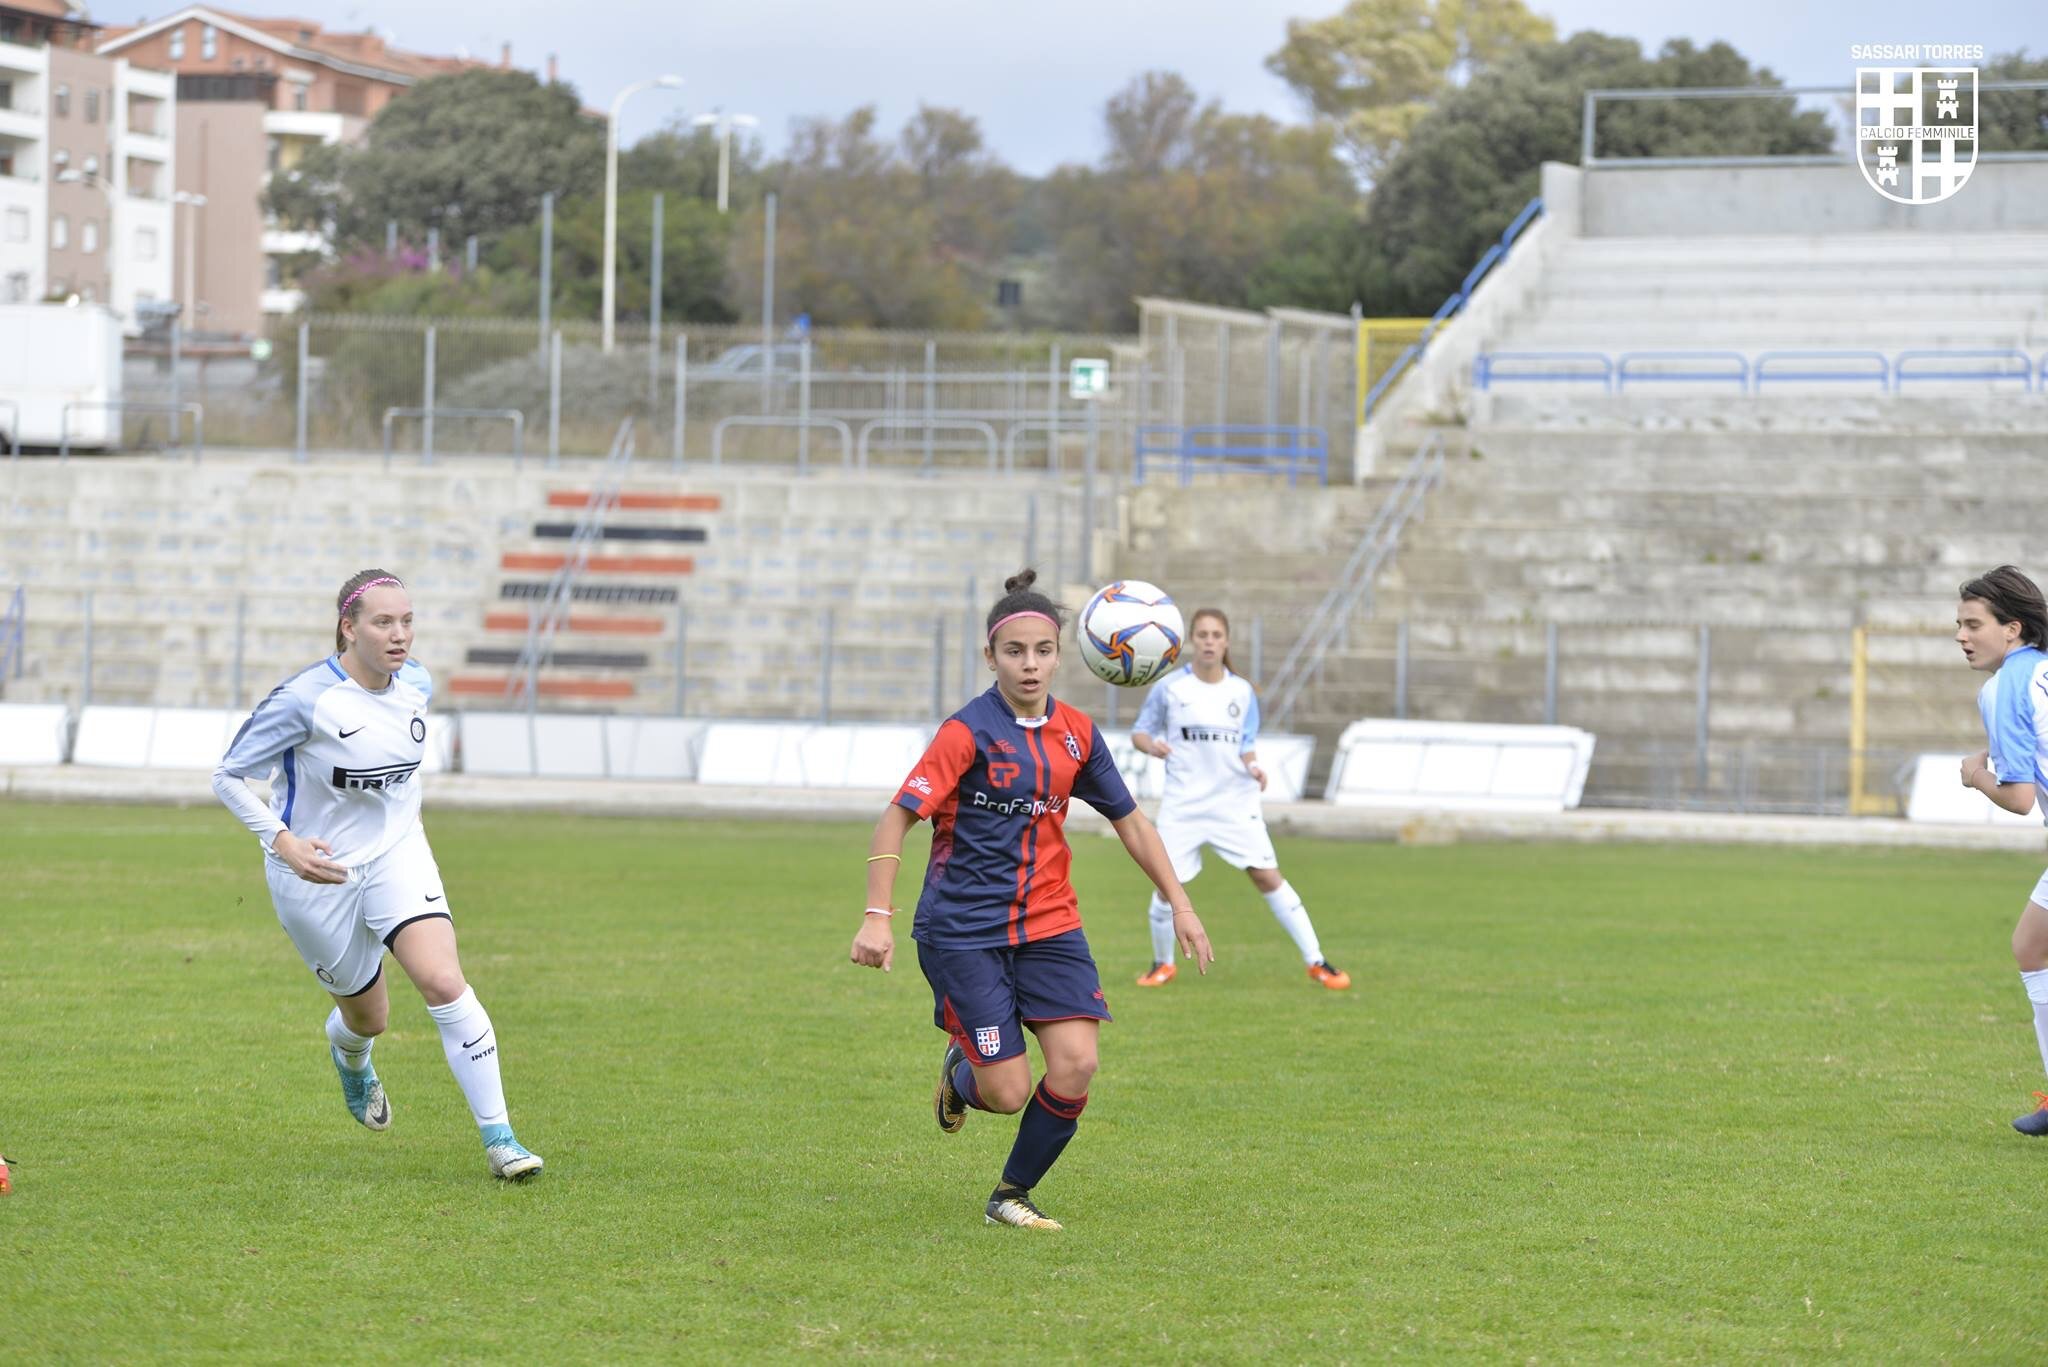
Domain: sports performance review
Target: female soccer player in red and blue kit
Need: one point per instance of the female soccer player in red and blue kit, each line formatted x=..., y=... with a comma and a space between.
x=998, y=930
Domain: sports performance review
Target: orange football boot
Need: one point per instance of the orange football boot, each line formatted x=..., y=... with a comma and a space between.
x=1158, y=976
x=1336, y=979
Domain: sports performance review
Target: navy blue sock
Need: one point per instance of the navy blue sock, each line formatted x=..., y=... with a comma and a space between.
x=966, y=1086
x=1049, y=1122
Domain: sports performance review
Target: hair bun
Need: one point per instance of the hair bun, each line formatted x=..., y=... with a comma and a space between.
x=1017, y=583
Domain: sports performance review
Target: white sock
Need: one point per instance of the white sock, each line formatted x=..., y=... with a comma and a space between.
x=1293, y=918
x=472, y=1049
x=2036, y=983
x=1162, y=930
x=353, y=1048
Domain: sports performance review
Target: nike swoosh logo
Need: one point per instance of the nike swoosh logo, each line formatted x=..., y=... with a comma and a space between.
x=346, y=734
x=382, y=1115
x=471, y=1044
x=435, y=897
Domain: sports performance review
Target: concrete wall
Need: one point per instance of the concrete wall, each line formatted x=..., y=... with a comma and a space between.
x=221, y=155
x=1693, y=201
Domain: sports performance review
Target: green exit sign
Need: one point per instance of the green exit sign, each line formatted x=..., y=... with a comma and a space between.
x=1087, y=379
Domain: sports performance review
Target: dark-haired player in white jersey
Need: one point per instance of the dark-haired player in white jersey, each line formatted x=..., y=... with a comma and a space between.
x=347, y=861
x=1203, y=720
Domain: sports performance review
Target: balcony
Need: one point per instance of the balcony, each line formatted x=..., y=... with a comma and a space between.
x=31, y=61
x=147, y=146
x=21, y=122
x=280, y=242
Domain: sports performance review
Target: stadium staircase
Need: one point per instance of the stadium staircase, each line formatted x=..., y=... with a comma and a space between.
x=1780, y=521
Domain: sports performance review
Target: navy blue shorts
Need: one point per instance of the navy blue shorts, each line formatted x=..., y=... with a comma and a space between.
x=985, y=997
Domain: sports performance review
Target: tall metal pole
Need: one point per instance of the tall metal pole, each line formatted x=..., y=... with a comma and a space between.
x=554, y=398
x=434, y=250
x=177, y=364
x=305, y=355
x=390, y=238
x=682, y=401
x=547, y=265
x=469, y=254
x=654, y=315
x=427, y=423
x=768, y=305
x=724, y=161
x=611, y=215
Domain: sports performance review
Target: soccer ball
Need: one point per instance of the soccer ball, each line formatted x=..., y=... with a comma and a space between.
x=1130, y=633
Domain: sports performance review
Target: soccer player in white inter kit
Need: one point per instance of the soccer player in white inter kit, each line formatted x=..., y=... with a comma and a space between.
x=347, y=859
x=1203, y=720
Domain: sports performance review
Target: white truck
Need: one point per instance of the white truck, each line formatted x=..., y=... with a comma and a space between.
x=60, y=375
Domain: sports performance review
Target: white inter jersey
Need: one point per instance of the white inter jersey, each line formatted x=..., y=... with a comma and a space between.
x=1207, y=728
x=342, y=761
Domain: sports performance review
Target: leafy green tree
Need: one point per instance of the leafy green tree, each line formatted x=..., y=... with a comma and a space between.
x=2013, y=120
x=694, y=239
x=1468, y=168
x=1196, y=203
x=1376, y=68
x=874, y=232
x=466, y=153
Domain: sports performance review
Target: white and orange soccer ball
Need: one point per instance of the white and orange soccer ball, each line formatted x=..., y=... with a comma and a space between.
x=1130, y=633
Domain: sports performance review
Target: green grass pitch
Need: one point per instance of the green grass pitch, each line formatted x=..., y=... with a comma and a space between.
x=1585, y=1103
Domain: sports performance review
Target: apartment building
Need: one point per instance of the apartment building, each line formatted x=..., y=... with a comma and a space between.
x=86, y=167
x=253, y=95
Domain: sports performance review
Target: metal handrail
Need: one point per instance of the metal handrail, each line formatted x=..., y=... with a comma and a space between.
x=197, y=411
x=544, y=622
x=803, y=454
x=1450, y=307
x=1760, y=370
x=1740, y=374
x=929, y=425
x=1354, y=582
x=1305, y=447
x=1592, y=98
x=512, y=415
x=1483, y=367
x=2025, y=374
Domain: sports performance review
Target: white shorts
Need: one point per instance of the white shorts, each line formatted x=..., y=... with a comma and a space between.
x=341, y=930
x=2040, y=897
x=1242, y=844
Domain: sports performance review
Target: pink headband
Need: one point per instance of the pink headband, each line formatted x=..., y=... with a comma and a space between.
x=349, y=601
x=1003, y=621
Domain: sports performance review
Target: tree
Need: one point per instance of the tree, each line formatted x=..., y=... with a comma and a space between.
x=466, y=153
x=1197, y=203
x=2013, y=120
x=694, y=240
x=1375, y=68
x=1469, y=167
x=878, y=233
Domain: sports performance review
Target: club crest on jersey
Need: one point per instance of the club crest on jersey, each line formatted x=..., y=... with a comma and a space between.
x=419, y=731
x=1073, y=746
x=989, y=1040
x=1235, y=711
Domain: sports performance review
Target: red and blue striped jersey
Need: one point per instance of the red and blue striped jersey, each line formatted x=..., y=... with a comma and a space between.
x=996, y=787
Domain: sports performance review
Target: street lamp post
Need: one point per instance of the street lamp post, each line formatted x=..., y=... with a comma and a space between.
x=611, y=192
x=725, y=124
x=195, y=202
x=110, y=244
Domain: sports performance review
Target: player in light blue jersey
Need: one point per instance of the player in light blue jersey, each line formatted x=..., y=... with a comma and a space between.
x=1203, y=720
x=2002, y=625
x=347, y=861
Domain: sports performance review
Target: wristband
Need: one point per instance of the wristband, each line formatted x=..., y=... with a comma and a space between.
x=879, y=911
x=873, y=857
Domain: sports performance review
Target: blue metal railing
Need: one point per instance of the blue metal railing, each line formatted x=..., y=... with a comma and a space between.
x=1995, y=365
x=1988, y=365
x=10, y=637
x=1230, y=448
x=1450, y=307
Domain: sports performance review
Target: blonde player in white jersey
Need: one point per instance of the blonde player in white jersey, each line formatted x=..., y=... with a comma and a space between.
x=1203, y=720
x=347, y=861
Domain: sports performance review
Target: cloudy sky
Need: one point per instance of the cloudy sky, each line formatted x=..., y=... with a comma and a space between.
x=1036, y=75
